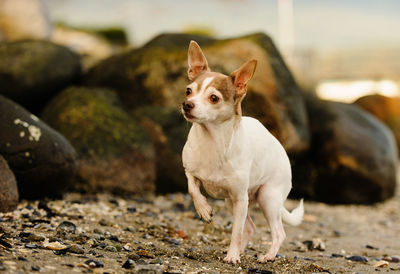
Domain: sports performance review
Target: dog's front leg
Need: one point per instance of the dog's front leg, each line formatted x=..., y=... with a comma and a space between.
x=203, y=209
x=239, y=210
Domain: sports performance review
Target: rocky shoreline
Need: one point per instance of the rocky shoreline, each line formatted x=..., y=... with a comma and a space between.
x=161, y=234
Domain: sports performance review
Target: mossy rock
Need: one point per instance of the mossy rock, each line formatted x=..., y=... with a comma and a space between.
x=156, y=74
x=168, y=131
x=32, y=72
x=114, y=152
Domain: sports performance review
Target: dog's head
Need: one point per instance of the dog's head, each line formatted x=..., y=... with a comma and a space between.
x=213, y=97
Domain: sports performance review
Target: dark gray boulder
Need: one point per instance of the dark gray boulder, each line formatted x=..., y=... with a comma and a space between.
x=32, y=72
x=8, y=188
x=42, y=160
x=353, y=155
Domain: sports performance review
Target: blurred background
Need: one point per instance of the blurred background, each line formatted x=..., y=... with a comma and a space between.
x=342, y=48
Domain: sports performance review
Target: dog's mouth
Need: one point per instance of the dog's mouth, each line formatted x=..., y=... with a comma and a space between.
x=188, y=116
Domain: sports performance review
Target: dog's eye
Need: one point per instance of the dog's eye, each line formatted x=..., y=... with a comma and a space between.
x=214, y=98
x=188, y=91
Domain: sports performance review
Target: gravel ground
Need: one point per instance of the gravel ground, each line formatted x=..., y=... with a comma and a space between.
x=161, y=234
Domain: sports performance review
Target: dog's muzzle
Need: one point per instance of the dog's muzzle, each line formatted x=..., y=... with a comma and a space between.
x=187, y=106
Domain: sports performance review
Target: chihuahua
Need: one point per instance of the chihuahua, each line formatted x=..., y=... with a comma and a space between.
x=233, y=157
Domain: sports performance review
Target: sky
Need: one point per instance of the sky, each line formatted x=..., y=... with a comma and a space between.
x=318, y=24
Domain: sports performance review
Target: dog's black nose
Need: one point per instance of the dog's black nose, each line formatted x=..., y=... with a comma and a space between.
x=187, y=105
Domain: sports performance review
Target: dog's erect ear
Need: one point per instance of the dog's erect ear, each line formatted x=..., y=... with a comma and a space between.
x=241, y=76
x=196, y=60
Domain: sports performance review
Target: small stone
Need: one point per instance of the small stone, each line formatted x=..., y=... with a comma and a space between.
x=35, y=238
x=128, y=264
x=131, y=229
x=336, y=255
x=111, y=248
x=103, y=222
x=182, y=234
x=337, y=233
x=131, y=209
x=94, y=264
x=66, y=227
x=356, y=258
x=371, y=247
x=381, y=264
x=204, y=239
x=20, y=258
x=32, y=246
x=5, y=244
x=35, y=268
x=55, y=246
x=145, y=254
x=77, y=249
x=172, y=241
x=392, y=259
x=127, y=247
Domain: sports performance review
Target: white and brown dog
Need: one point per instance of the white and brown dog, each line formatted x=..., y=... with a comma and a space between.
x=235, y=158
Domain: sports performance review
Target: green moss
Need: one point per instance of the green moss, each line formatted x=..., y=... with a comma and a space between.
x=94, y=122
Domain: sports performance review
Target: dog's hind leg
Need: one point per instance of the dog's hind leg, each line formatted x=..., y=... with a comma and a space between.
x=271, y=203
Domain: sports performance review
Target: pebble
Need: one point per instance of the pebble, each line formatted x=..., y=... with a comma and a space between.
x=111, y=248
x=94, y=264
x=55, y=246
x=66, y=227
x=131, y=229
x=392, y=259
x=20, y=258
x=128, y=264
x=145, y=254
x=35, y=268
x=336, y=255
x=131, y=209
x=371, y=247
x=315, y=244
x=357, y=258
x=5, y=244
x=381, y=264
x=32, y=246
x=35, y=238
x=77, y=249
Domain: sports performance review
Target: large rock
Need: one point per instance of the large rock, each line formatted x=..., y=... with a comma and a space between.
x=156, y=75
x=168, y=131
x=386, y=109
x=114, y=152
x=354, y=156
x=8, y=188
x=32, y=72
x=42, y=160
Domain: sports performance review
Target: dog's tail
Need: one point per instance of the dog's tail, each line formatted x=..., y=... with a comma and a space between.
x=295, y=217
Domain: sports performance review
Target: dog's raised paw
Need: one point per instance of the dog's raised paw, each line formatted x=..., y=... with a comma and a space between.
x=205, y=212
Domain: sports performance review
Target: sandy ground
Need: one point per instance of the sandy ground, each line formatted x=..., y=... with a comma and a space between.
x=159, y=234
